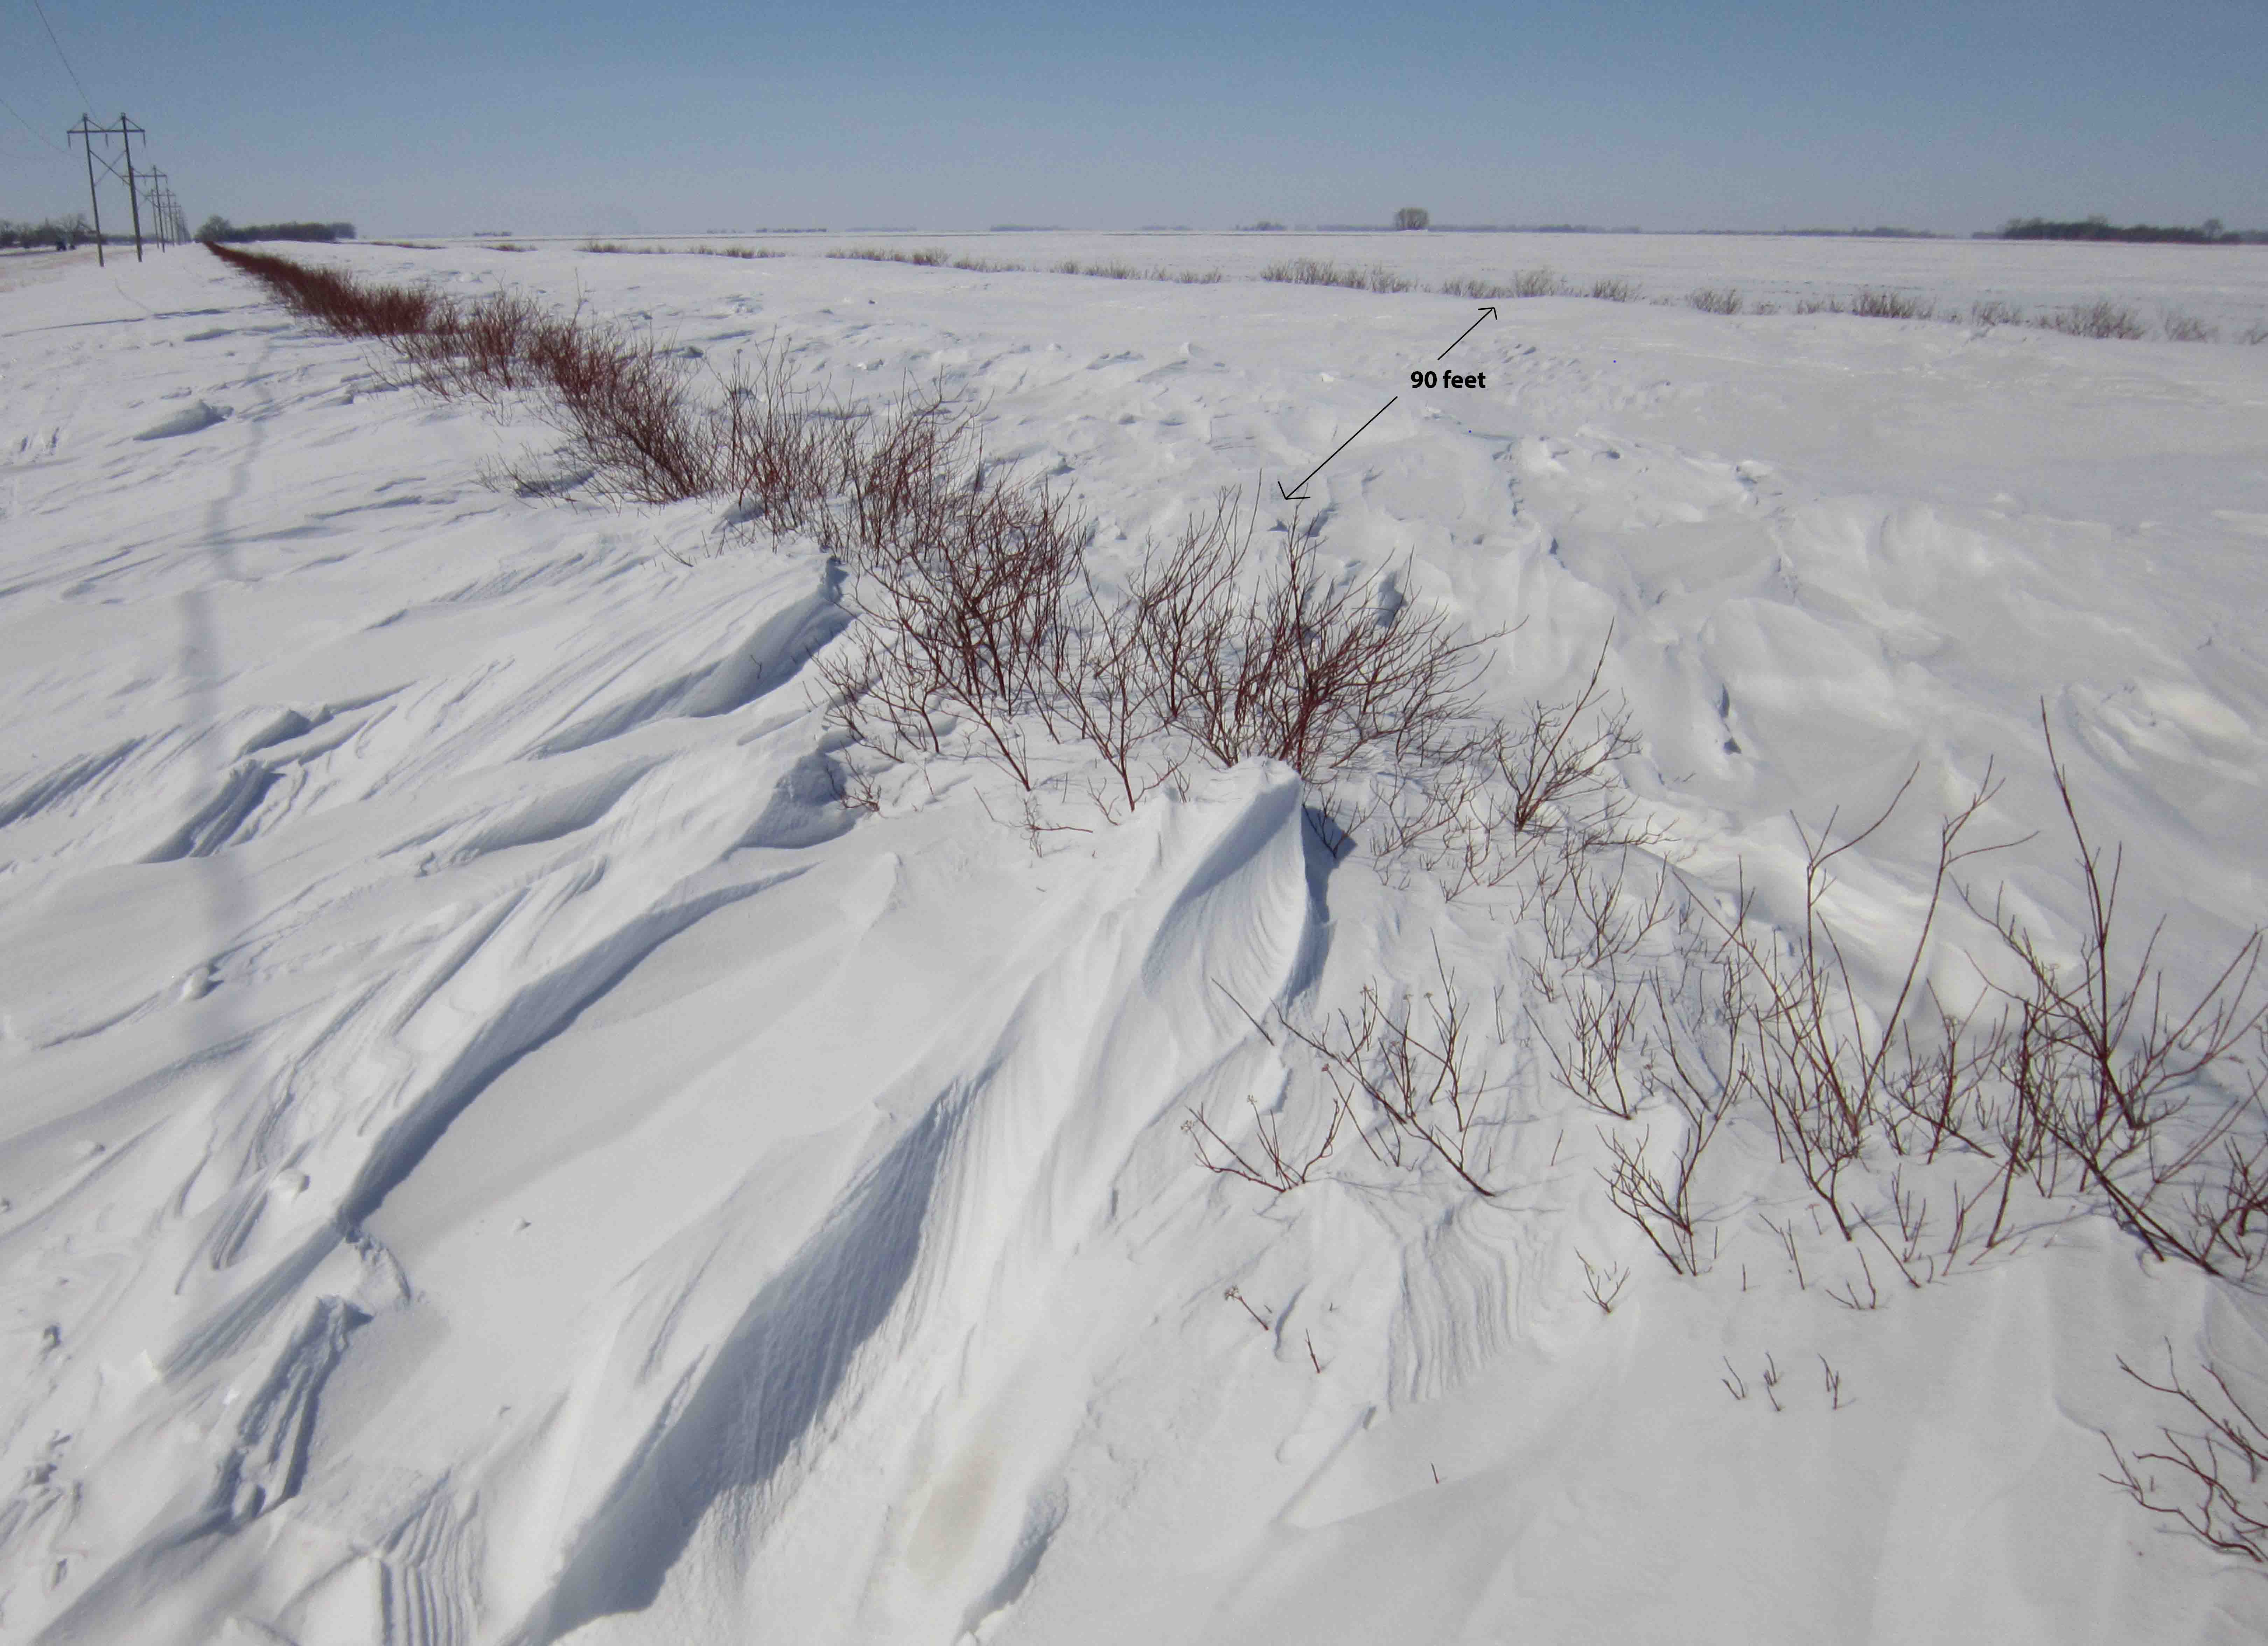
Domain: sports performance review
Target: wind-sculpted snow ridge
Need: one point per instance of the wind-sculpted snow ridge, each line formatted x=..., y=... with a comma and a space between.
x=493, y=1151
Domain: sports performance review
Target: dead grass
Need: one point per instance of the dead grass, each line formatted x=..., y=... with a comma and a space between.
x=1716, y=300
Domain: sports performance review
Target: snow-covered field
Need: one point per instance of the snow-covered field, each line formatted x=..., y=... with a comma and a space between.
x=2225, y=287
x=494, y=1153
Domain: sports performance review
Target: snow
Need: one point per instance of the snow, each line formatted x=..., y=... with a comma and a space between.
x=494, y=1153
x=2223, y=286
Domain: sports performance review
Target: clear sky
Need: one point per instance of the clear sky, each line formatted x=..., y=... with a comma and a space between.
x=561, y=116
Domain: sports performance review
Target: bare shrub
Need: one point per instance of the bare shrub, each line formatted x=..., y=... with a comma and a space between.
x=1479, y=290
x=1314, y=674
x=1890, y=305
x=1659, y=1199
x=1825, y=1078
x=1316, y=271
x=787, y=456
x=621, y=399
x=929, y=257
x=1992, y=312
x=479, y=349
x=2185, y=328
x=1270, y=1166
x=1120, y=676
x=2217, y=1493
x=2102, y=318
x=968, y=586
x=1474, y=821
x=1560, y=760
x=2254, y=334
x=1716, y=299
x=1603, y=1282
x=1820, y=305
x=1608, y=289
x=1528, y=283
x=2088, y=1080
x=1422, y=1076
x=2104, y=1070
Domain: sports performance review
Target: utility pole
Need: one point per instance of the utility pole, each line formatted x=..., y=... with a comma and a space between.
x=127, y=128
x=153, y=184
x=85, y=132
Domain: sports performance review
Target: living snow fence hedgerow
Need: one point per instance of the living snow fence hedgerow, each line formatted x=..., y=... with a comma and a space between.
x=983, y=611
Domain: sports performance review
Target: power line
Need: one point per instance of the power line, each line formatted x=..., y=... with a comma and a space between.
x=59, y=148
x=58, y=45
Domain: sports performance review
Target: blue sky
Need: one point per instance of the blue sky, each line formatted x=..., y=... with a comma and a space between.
x=565, y=117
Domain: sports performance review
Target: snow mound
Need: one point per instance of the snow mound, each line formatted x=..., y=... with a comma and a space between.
x=191, y=419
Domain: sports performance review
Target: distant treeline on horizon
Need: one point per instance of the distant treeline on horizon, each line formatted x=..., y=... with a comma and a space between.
x=1883, y=232
x=227, y=233
x=2099, y=228
x=72, y=230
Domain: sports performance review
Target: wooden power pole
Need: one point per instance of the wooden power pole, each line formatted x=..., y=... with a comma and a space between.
x=86, y=131
x=127, y=132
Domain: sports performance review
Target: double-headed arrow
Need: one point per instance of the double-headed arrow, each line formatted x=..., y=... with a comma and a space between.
x=1488, y=313
x=1298, y=493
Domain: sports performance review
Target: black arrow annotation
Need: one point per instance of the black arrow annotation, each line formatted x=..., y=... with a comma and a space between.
x=1297, y=494
x=1488, y=313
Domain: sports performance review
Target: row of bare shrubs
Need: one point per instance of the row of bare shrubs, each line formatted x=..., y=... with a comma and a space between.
x=747, y=253
x=336, y=300
x=633, y=410
x=988, y=632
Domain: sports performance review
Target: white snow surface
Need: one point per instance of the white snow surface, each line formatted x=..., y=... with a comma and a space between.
x=492, y=1151
x=2223, y=286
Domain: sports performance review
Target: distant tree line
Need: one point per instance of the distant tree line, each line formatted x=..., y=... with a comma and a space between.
x=53, y=231
x=221, y=230
x=2100, y=227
